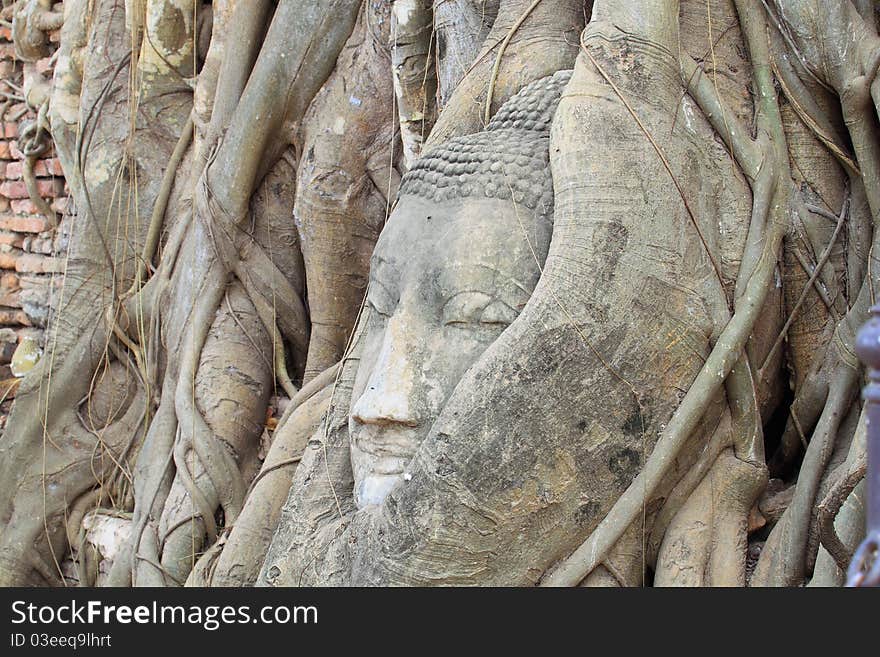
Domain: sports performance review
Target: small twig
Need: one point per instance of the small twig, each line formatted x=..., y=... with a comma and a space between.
x=813, y=277
x=273, y=468
x=157, y=218
x=808, y=269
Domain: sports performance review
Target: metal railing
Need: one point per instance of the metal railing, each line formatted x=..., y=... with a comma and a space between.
x=864, y=569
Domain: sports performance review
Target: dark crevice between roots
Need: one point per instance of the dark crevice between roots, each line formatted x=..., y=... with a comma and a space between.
x=774, y=428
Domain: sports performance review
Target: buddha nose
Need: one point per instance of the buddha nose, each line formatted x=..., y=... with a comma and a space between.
x=387, y=397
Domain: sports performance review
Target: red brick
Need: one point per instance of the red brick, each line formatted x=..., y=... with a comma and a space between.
x=13, y=239
x=7, y=51
x=10, y=129
x=13, y=316
x=14, y=170
x=32, y=224
x=33, y=244
x=51, y=187
x=32, y=262
x=15, y=189
x=42, y=169
x=11, y=299
x=10, y=282
x=4, y=151
x=8, y=258
x=14, y=151
x=5, y=34
x=52, y=166
x=23, y=206
x=4, y=204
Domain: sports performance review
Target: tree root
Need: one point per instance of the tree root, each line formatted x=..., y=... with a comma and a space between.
x=157, y=217
x=783, y=559
x=239, y=560
x=771, y=198
x=829, y=507
x=706, y=543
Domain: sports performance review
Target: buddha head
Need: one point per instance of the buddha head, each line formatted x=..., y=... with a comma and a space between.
x=455, y=264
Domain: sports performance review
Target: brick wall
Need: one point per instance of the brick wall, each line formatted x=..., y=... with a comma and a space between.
x=29, y=247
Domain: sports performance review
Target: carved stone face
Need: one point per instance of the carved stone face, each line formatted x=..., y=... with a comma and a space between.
x=446, y=279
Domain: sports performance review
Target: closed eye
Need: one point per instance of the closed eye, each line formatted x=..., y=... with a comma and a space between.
x=473, y=308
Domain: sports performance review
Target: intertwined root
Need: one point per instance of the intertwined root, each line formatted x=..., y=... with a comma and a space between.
x=203, y=315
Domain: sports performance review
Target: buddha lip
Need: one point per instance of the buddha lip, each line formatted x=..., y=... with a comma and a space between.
x=388, y=464
x=377, y=471
x=384, y=450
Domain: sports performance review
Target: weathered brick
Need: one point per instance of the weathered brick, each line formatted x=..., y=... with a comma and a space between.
x=10, y=299
x=42, y=168
x=51, y=165
x=14, y=316
x=32, y=262
x=10, y=130
x=4, y=204
x=23, y=206
x=5, y=154
x=47, y=188
x=6, y=351
x=33, y=244
x=9, y=257
x=9, y=281
x=13, y=189
x=13, y=239
x=54, y=187
x=14, y=170
x=7, y=51
x=5, y=34
x=32, y=224
x=14, y=151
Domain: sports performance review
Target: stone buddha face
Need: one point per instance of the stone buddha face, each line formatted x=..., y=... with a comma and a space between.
x=456, y=262
x=444, y=283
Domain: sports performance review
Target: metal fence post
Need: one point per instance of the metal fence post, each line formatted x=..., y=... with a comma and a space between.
x=864, y=570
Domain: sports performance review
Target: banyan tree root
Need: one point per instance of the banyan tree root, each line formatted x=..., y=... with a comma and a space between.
x=841, y=515
x=59, y=445
x=829, y=508
x=32, y=21
x=415, y=77
x=241, y=550
x=706, y=544
x=460, y=28
x=348, y=178
x=235, y=316
x=178, y=426
x=658, y=333
x=524, y=44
